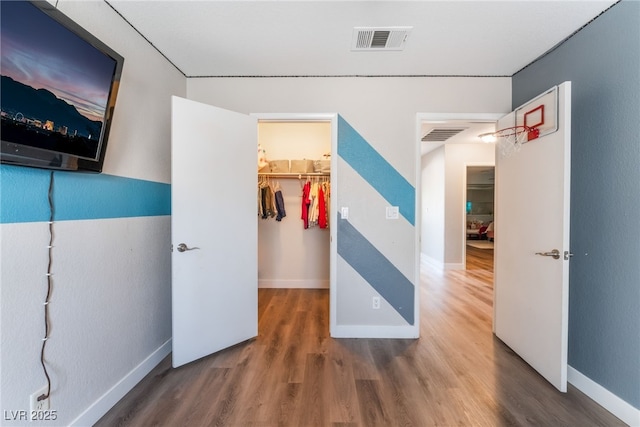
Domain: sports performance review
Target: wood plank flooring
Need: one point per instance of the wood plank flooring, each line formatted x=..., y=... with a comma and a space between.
x=294, y=374
x=480, y=260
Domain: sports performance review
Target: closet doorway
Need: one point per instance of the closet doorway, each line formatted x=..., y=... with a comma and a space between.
x=214, y=227
x=294, y=250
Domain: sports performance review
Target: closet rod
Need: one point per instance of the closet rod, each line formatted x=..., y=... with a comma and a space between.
x=294, y=175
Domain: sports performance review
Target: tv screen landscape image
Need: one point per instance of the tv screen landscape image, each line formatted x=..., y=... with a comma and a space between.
x=58, y=89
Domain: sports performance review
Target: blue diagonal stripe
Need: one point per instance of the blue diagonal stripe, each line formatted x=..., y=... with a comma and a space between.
x=369, y=164
x=376, y=269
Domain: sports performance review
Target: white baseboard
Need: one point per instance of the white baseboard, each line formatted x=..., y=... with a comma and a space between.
x=294, y=284
x=372, y=331
x=604, y=397
x=427, y=260
x=108, y=400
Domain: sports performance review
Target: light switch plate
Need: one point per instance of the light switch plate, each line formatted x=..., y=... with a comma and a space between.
x=344, y=213
x=393, y=212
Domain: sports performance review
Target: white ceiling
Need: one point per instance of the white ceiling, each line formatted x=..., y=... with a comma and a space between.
x=293, y=38
x=313, y=38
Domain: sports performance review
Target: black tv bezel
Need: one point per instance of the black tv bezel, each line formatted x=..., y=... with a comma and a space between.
x=18, y=154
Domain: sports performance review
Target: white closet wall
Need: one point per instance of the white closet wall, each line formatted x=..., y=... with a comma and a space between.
x=288, y=255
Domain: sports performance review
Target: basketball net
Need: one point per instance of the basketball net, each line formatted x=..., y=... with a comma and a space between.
x=510, y=140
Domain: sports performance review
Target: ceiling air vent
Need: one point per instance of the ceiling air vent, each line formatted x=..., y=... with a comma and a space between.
x=380, y=38
x=441, y=134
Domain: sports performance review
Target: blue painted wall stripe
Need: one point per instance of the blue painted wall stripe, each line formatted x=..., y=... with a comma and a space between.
x=23, y=194
x=78, y=196
x=369, y=164
x=376, y=269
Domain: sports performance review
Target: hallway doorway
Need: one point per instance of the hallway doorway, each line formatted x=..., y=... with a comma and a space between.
x=479, y=209
x=444, y=162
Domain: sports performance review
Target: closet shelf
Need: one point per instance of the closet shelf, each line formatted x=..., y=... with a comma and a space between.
x=293, y=174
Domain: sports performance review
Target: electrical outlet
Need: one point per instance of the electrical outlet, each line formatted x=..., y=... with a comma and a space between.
x=39, y=405
x=376, y=303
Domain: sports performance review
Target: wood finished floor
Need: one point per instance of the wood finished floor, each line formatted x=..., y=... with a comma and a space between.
x=294, y=374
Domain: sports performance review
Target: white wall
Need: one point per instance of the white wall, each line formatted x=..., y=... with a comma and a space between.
x=433, y=207
x=139, y=142
x=443, y=200
x=382, y=109
x=457, y=158
x=116, y=313
x=384, y=112
x=111, y=303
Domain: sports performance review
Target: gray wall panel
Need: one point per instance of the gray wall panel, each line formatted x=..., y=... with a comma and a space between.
x=603, y=63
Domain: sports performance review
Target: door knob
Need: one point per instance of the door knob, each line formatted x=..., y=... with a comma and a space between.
x=555, y=254
x=182, y=247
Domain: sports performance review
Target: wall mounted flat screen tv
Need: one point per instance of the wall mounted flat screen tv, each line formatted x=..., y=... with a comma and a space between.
x=58, y=92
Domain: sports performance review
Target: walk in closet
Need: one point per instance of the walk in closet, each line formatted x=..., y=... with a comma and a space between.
x=293, y=249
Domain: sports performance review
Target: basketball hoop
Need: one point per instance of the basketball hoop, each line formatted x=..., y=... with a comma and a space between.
x=510, y=140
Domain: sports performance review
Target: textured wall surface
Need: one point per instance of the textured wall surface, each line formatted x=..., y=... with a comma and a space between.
x=111, y=302
x=383, y=112
x=603, y=64
x=377, y=249
x=433, y=206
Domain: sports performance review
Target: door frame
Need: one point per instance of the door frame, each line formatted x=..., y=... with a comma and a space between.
x=420, y=117
x=333, y=177
x=464, y=204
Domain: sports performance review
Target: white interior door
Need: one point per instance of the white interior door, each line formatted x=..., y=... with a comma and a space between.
x=213, y=213
x=532, y=216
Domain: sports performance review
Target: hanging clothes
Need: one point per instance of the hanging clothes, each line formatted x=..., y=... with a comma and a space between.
x=306, y=189
x=322, y=208
x=279, y=201
x=267, y=203
x=266, y=200
x=261, y=201
x=280, y=206
x=327, y=196
x=313, y=206
x=315, y=203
